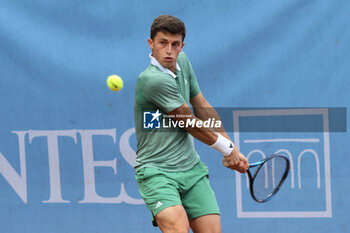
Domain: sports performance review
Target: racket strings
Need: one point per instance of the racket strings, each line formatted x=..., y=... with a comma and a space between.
x=269, y=177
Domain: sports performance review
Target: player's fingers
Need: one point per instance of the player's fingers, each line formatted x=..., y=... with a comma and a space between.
x=226, y=164
x=234, y=158
x=232, y=163
x=244, y=165
x=244, y=162
x=242, y=157
x=240, y=167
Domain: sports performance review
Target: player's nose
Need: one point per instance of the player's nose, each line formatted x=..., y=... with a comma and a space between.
x=168, y=49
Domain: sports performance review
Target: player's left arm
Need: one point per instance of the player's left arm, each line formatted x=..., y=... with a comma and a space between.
x=203, y=110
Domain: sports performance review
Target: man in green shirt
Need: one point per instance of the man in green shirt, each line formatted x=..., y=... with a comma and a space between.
x=171, y=178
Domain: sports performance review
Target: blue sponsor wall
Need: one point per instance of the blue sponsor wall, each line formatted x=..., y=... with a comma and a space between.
x=67, y=143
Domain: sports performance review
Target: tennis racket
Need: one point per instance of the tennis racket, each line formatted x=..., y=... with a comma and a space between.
x=267, y=176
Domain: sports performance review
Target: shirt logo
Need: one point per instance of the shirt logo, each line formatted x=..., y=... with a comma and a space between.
x=158, y=204
x=151, y=120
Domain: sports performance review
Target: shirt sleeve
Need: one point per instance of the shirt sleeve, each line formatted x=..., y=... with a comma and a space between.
x=194, y=87
x=163, y=92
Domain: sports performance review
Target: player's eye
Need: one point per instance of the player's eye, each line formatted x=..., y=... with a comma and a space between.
x=176, y=45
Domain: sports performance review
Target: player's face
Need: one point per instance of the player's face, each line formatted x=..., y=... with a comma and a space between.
x=165, y=48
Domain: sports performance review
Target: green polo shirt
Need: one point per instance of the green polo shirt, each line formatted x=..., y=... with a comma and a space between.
x=159, y=89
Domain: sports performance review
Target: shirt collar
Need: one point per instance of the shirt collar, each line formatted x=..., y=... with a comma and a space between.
x=156, y=63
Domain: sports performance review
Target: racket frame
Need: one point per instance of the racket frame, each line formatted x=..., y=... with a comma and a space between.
x=259, y=165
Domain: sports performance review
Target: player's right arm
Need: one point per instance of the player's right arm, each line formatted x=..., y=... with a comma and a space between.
x=235, y=160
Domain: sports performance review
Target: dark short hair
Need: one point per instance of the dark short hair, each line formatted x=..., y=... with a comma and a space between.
x=168, y=23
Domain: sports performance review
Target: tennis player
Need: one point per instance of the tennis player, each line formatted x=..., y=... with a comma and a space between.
x=172, y=179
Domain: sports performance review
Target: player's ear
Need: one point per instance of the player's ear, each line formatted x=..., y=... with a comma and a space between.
x=150, y=43
x=183, y=44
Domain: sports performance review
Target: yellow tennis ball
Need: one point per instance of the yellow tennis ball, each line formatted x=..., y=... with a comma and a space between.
x=114, y=82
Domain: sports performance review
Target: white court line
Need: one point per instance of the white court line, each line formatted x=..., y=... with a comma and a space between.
x=313, y=140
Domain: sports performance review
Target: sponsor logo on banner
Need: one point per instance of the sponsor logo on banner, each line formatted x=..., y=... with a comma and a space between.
x=307, y=190
x=17, y=178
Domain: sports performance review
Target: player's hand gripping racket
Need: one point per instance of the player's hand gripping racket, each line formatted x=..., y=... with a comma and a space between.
x=268, y=177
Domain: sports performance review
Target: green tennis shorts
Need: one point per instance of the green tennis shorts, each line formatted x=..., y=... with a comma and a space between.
x=191, y=189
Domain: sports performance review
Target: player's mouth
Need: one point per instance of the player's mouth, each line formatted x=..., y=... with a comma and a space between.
x=168, y=59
